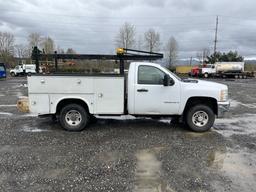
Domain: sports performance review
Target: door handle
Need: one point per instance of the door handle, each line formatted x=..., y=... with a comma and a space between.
x=142, y=90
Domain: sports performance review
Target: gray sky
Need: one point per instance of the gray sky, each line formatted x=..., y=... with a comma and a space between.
x=90, y=26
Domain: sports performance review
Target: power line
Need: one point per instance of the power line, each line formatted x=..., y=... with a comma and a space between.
x=99, y=41
x=238, y=18
x=39, y=20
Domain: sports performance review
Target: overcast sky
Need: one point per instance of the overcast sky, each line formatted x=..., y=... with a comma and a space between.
x=90, y=26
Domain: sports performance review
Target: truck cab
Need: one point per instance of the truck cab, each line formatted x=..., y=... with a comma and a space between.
x=208, y=70
x=154, y=90
x=150, y=90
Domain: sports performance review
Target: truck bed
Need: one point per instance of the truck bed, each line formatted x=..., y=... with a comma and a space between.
x=103, y=94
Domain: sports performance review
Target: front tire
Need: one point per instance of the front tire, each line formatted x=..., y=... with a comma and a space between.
x=73, y=117
x=200, y=118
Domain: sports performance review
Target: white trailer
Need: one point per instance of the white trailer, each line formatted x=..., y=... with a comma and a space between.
x=152, y=91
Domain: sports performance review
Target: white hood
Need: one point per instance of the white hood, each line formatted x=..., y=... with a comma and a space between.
x=211, y=84
x=201, y=88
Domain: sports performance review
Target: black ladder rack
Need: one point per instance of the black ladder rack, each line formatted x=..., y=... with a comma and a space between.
x=122, y=54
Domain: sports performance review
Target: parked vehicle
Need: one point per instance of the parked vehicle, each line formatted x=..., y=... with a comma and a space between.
x=221, y=69
x=24, y=69
x=2, y=70
x=195, y=72
x=152, y=91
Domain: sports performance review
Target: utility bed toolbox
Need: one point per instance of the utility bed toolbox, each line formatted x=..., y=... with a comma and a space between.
x=103, y=94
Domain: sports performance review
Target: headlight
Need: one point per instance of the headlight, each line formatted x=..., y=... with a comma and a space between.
x=224, y=95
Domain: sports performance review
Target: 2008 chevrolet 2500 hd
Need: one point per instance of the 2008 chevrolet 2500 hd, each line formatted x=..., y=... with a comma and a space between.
x=151, y=91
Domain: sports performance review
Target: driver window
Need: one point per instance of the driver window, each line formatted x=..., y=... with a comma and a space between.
x=150, y=75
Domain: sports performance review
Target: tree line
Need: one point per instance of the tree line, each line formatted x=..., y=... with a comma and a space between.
x=10, y=51
x=151, y=42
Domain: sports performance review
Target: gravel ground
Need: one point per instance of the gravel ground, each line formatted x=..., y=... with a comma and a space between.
x=128, y=155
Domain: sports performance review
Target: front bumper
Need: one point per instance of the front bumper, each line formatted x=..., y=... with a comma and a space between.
x=223, y=107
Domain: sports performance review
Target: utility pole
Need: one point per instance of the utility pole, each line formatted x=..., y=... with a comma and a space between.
x=190, y=62
x=203, y=58
x=216, y=35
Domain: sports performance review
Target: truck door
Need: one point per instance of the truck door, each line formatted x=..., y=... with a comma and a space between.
x=151, y=97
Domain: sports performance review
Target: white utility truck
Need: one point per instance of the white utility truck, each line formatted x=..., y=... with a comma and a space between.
x=24, y=69
x=150, y=91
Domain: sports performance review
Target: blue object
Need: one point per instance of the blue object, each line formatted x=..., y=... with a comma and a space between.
x=2, y=71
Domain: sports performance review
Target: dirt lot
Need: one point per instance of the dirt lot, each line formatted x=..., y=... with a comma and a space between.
x=130, y=154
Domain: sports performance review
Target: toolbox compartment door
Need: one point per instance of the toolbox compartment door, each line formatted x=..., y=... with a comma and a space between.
x=39, y=104
x=109, y=95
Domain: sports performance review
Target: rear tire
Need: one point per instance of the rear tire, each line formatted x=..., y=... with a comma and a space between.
x=200, y=118
x=74, y=117
x=12, y=74
x=206, y=75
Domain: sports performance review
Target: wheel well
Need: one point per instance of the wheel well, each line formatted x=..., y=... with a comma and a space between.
x=65, y=102
x=209, y=101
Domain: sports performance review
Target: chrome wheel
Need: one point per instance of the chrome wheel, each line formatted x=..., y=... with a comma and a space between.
x=200, y=118
x=73, y=117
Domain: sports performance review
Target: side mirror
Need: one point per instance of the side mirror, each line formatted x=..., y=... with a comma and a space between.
x=167, y=81
x=172, y=82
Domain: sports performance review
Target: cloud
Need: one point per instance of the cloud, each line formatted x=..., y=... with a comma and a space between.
x=194, y=5
x=91, y=26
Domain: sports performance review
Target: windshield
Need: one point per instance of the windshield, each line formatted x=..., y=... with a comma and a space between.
x=206, y=66
x=176, y=76
x=2, y=68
